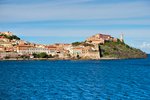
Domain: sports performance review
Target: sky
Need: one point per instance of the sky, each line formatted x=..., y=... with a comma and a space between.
x=66, y=21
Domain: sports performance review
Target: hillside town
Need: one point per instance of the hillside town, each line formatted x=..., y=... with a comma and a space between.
x=12, y=47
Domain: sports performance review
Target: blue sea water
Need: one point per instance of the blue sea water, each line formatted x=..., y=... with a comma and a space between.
x=75, y=80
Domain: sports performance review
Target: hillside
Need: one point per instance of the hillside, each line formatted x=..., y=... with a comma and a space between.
x=120, y=50
x=10, y=37
x=99, y=46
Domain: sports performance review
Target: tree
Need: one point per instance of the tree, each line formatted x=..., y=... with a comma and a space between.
x=43, y=55
x=50, y=56
x=76, y=43
x=35, y=55
x=25, y=57
x=7, y=57
x=10, y=37
x=78, y=57
x=14, y=37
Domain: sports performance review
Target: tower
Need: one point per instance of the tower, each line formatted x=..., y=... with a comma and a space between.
x=121, y=37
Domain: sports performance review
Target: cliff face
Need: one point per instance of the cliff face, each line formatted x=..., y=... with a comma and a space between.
x=120, y=50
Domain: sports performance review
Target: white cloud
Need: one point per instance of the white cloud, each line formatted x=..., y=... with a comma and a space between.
x=48, y=11
x=145, y=45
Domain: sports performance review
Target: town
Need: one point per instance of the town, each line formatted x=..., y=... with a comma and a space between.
x=12, y=47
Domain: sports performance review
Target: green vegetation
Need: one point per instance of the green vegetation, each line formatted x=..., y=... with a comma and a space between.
x=76, y=43
x=120, y=50
x=42, y=55
x=78, y=57
x=10, y=37
x=25, y=56
x=7, y=57
x=81, y=43
x=87, y=44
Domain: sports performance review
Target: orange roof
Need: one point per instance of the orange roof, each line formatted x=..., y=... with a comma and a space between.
x=25, y=46
x=78, y=48
x=50, y=47
x=1, y=36
x=95, y=40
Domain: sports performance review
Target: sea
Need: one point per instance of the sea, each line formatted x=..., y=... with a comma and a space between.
x=127, y=79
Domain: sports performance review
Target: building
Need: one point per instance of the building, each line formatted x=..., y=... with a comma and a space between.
x=39, y=50
x=23, y=49
x=90, y=52
x=9, y=49
x=6, y=44
x=3, y=39
x=99, y=39
x=85, y=52
x=21, y=42
x=8, y=54
x=77, y=51
x=28, y=49
x=6, y=33
x=121, y=38
x=2, y=48
x=53, y=49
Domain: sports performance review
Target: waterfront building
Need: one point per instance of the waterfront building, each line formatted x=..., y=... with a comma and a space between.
x=53, y=49
x=39, y=50
x=85, y=52
x=8, y=54
x=77, y=51
x=28, y=49
x=90, y=52
x=23, y=49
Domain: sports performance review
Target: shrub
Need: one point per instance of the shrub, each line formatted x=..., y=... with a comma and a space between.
x=76, y=43
x=43, y=55
x=7, y=57
x=10, y=37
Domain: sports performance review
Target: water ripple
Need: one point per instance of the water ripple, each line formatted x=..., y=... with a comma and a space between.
x=75, y=80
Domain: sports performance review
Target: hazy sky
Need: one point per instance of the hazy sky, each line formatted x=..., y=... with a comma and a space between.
x=50, y=21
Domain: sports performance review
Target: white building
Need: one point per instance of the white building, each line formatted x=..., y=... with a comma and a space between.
x=36, y=50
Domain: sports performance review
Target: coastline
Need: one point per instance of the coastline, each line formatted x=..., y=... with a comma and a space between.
x=105, y=47
x=56, y=59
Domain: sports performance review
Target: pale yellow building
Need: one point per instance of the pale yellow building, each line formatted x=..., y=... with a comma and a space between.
x=99, y=39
